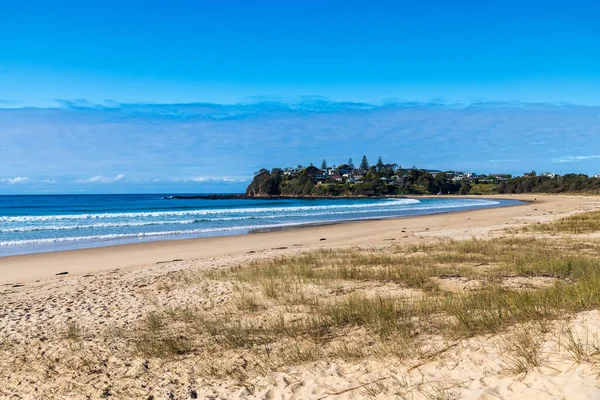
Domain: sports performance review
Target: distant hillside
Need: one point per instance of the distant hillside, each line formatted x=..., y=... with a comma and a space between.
x=383, y=180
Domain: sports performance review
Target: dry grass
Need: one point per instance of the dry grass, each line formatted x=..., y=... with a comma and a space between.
x=580, y=350
x=522, y=350
x=442, y=392
x=575, y=224
x=74, y=331
x=305, y=308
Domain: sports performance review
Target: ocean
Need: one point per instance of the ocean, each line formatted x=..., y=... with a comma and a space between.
x=33, y=224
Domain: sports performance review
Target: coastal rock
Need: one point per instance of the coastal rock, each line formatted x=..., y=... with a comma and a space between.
x=264, y=184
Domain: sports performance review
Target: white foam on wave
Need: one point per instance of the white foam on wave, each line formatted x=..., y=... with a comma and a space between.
x=457, y=204
x=33, y=218
x=105, y=225
x=99, y=225
x=146, y=234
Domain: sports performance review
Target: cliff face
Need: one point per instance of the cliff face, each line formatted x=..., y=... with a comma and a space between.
x=264, y=184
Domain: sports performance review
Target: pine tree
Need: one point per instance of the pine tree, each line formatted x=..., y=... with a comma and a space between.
x=364, y=164
x=324, y=164
x=350, y=164
x=380, y=164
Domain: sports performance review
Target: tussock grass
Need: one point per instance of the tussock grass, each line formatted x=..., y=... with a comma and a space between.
x=579, y=349
x=250, y=302
x=162, y=345
x=522, y=351
x=579, y=223
x=74, y=331
x=154, y=321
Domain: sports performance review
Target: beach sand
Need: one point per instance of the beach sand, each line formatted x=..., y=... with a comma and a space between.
x=114, y=287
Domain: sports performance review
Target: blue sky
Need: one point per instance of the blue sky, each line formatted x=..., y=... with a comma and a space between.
x=194, y=96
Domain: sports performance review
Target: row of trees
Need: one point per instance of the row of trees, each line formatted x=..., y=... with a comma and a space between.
x=364, y=164
x=544, y=184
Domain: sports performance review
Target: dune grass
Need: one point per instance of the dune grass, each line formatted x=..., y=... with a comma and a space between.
x=588, y=222
x=331, y=304
x=522, y=350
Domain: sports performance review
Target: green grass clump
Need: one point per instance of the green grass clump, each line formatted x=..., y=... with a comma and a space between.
x=484, y=189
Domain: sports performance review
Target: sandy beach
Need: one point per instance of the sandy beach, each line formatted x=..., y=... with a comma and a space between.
x=113, y=288
x=42, y=266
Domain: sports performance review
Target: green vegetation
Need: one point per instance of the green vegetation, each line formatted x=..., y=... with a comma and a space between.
x=484, y=189
x=384, y=179
x=377, y=180
x=364, y=164
x=569, y=183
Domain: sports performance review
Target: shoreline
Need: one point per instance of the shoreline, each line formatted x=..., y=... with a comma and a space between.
x=43, y=266
x=347, y=221
x=88, y=242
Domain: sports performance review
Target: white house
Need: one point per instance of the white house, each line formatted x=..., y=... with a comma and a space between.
x=549, y=174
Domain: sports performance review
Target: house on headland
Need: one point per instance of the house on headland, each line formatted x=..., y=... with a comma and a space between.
x=433, y=172
x=500, y=177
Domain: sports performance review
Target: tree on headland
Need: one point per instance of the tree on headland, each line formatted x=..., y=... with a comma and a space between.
x=364, y=164
x=350, y=164
x=465, y=187
x=265, y=183
x=379, y=164
x=324, y=164
x=308, y=181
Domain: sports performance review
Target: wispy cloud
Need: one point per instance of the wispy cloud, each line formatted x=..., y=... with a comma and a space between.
x=217, y=147
x=260, y=106
x=218, y=179
x=102, y=179
x=48, y=181
x=575, y=158
x=12, y=181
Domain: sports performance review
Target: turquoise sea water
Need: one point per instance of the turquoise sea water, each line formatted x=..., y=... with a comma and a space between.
x=32, y=224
